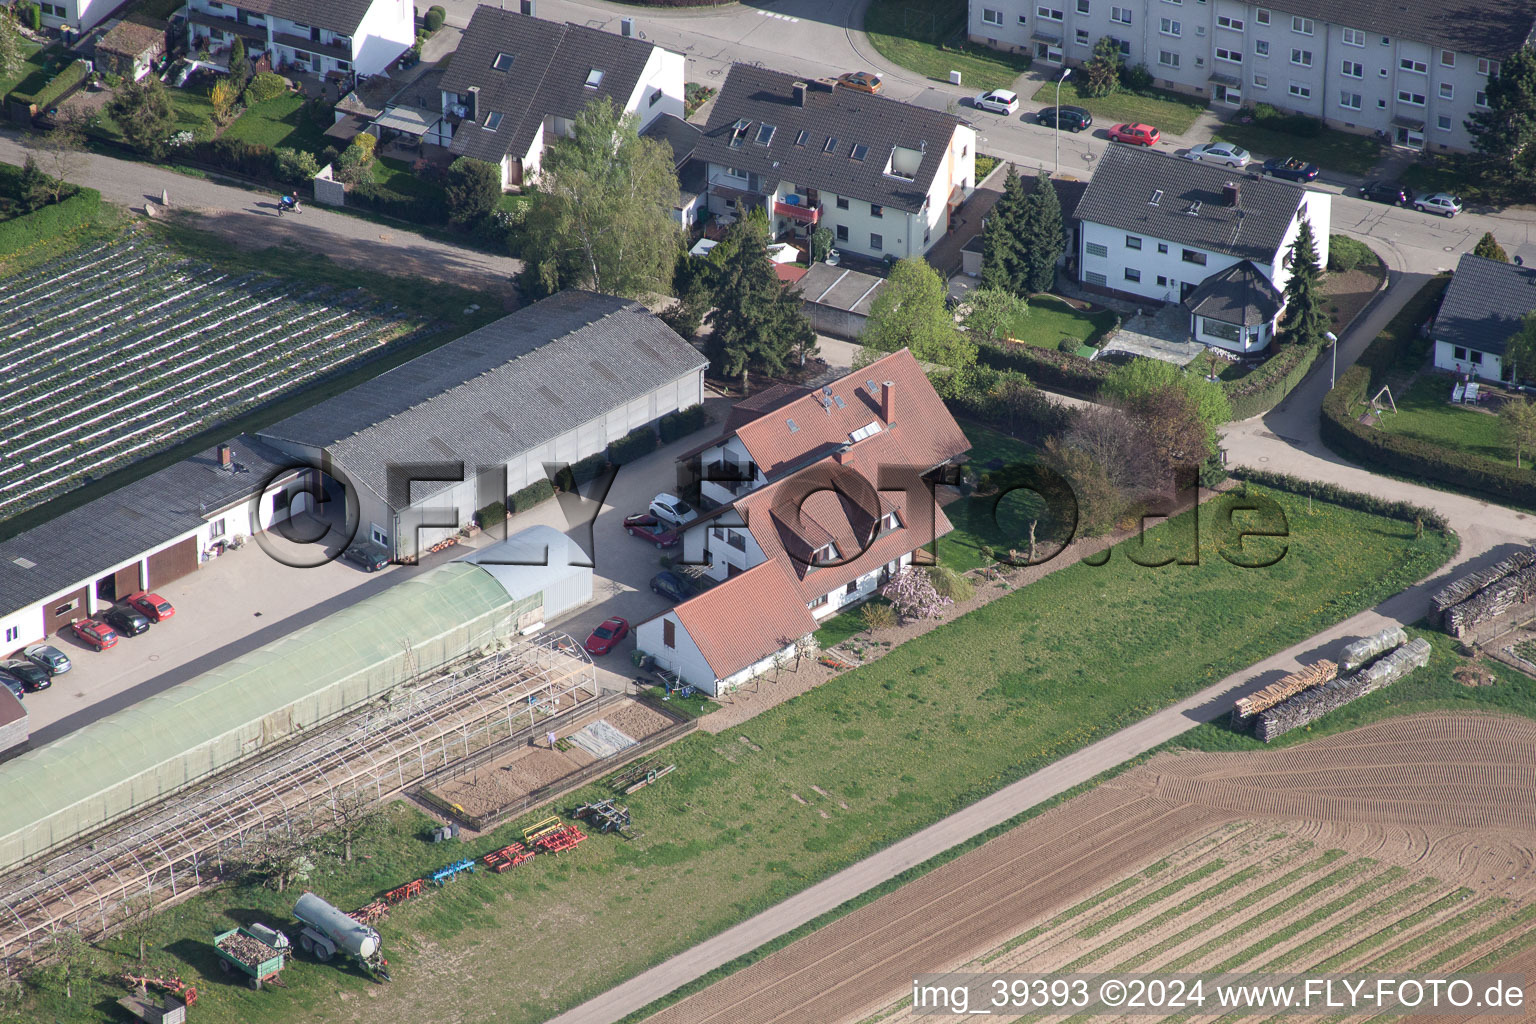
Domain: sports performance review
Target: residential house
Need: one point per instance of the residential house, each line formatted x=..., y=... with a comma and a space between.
x=883, y=175
x=516, y=83
x=77, y=15
x=813, y=500
x=1483, y=307
x=130, y=48
x=142, y=535
x=1413, y=71
x=426, y=444
x=1159, y=227
x=361, y=36
x=682, y=139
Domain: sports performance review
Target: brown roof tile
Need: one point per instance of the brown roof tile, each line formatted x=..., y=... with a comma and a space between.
x=729, y=639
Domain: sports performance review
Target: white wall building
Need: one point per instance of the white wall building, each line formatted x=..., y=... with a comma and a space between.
x=1484, y=306
x=361, y=36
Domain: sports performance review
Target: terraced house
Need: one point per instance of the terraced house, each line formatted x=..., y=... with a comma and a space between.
x=814, y=499
x=1413, y=70
x=884, y=176
x=302, y=35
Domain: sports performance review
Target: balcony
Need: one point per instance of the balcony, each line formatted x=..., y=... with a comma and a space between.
x=802, y=212
x=307, y=45
x=203, y=19
x=729, y=477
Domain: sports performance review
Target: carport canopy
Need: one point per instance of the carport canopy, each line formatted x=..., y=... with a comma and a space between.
x=407, y=120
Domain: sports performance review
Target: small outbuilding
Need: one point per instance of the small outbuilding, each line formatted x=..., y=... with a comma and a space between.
x=130, y=48
x=837, y=300
x=544, y=572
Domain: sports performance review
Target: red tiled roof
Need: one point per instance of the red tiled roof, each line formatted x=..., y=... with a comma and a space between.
x=749, y=409
x=923, y=427
x=788, y=272
x=746, y=618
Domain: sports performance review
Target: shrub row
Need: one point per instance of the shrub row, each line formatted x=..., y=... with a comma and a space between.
x=1345, y=253
x=1274, y=120
x=1267, y=386
x=1411, y=456
x=1400, y=343
x=57, y=86
x=1048, y=368
x=250, y=159
x=495, y=512
x=1336, y=495
x=57, y=219
x=682, y=423
x=638, y=442
x=397, y=204
x=525, y=499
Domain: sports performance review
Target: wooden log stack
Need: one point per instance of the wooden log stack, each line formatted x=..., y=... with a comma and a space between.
x=1312, y=675
x=249, y=951
x=1494, y=600
x=1368, y=648
x=1310, y=705
x=1463, y=587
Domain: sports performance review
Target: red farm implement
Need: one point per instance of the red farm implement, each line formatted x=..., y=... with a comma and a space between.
x=561, y=839
x=405, y=892
x=508, y=857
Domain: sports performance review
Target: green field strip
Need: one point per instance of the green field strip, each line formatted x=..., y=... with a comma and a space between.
x=1317, y=916
x=1237, y=906
x=1062, y=918
x=1151, y=899
x=1354, y=924
x=1394, y=957
x=1471, y=942
x=1391, y=931
x=1199, y=899
x=1498, y=956
x=1292, y=901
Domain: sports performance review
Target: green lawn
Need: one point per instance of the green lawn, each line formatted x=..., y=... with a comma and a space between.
x=279, y=122
x=194, y=113
x=33, y=69
x=1169, y=112
x=933, y=726
x=1427, y=414
x=1050, y=319
x=909, y=33
x=1331, y=149
x=397, y=176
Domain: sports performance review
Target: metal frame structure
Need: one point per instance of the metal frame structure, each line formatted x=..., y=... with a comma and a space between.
x=395, y=740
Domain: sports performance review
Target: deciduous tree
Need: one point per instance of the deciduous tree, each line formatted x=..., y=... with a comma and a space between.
x=473, y=190
x=353, y=817
x=1518, y=420
x=910, y=312
x=990, y=313
x=601, y=215
x=11, y=57
x=143, y=113
x=914, y=596
x=1520, y=350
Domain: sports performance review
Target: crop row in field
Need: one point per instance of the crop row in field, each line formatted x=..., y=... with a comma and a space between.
x=123, y=349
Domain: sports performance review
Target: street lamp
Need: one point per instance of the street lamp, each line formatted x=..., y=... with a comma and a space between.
x=1333, y=343
x=1064, y=73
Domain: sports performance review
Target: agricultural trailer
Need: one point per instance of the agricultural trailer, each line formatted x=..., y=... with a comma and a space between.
x=254, y=952
x=327, y=931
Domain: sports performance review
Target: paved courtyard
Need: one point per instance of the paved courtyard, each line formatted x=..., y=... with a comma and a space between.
x=1160, y=334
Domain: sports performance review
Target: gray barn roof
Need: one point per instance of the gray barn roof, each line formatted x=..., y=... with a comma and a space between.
x=839, y=288
x=1128, y=178
x=124, y=523
x=1240, y=294
x=1484, y=304
x=847, y=116
x=497, y=392
x=1483, y=28
x=548, y=76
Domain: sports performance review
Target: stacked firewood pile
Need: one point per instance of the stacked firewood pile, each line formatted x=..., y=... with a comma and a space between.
x=249, y=951
x=1312, y=675
x=1374, y=646
x=1492, y=601
x=1310, y=705
x=1463, y=587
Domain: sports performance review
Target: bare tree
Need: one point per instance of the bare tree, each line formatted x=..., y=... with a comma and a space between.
x=1113, y=440
x=354, y=817
x=60, y=155
x=279, y=854
x=806, y=647
x=136, y=918
x=71, y=961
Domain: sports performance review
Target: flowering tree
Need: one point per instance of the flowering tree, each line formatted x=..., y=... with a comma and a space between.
x=913, y=594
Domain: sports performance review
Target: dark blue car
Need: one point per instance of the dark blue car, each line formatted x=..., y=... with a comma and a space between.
x=1290, y=168
x=671, y=586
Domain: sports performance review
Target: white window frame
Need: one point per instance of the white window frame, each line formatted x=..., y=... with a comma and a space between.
x=1300, y=91
x=1418, y=67
x=1447, y=91
x=1082, y=37
x=1120, y=15
x=1302, y=26
x=1481, y=99
x=1261, y=47
x=989, y=16
x=1297, y=55
x=1447, y=58
x=1261, y=16
x=1354, y=36
x=1413, y=99
x=1487, y=68
x=1049, y=14
x=1261, y=81
x=1231, y=24
x=1168, y=58
x=1230, y=56
x=1170, y=27
x=1351, y=68
x=1082, y=6
x=1443, y=123
x=1345, y=97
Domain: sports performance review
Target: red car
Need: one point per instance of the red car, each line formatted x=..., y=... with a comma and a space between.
x=605, y=636
x=1135, y=134
x=648, y=527
x=95, y=634
x=152, y=606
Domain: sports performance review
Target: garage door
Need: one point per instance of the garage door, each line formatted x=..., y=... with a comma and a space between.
x=173, y=563
x=126, y=581
x=61, y=611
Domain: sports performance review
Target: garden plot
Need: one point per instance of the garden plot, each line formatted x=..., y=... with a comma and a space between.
x=124, y=349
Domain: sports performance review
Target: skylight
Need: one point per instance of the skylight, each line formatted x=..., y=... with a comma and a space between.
x=493, y=120
x=800, y=139
x=831, y=144
x=503, y=62
x=860, y=151
x=869, y=429
x=765, y=134
x=594, y=78
x=1157, y=197
x=793, y=426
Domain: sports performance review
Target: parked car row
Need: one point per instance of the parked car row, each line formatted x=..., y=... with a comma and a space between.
x=1394, y=194
x=34, y=670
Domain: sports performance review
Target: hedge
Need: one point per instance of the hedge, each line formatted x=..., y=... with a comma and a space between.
x=1345, y=253
x=397, y=204
x=1400, y=343
x=265, y=86
x=1412, y=457
x=525, y=499
x=638, y=442
x=1336, y=495
x=57, y=86
x=1267, y=386
x=250, y=159
x=49, y=222
x=495, y=512
x=1048, y=368
x=680, y=424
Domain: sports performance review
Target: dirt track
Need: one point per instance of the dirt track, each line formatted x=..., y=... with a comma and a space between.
x=1423, y=791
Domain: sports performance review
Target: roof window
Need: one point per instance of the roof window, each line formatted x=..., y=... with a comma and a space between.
x=859, y=151
x=503, y=62
x=594, y=78
x=1157, y=197
x=869, y=429
x=765, y=133
x=793, y=426
x=831, y=144
x=800, y=139
x=493, y=120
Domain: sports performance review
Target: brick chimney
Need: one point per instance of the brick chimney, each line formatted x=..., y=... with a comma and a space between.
x=888, y=402
x=1229, y=193
x=226, y=456
x=800, y=90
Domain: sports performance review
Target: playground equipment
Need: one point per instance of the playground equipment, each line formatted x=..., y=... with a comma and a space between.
x=244, y=951
x=606, y=816
x=327, y=930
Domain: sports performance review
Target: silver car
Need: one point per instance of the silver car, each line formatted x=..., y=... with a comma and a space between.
x=48, y=657
x=1220, y=153
x=1442, y=203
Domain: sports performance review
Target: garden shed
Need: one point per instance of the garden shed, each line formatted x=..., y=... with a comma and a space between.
x=540, y=568
x=130, y=48
x=837, y=300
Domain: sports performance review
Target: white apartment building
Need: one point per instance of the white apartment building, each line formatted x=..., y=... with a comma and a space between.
x=1414, y=70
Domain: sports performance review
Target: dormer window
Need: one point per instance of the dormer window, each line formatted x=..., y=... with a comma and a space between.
x=503, y=62
x=493, y=120
x=823, y=555
x=594, y=78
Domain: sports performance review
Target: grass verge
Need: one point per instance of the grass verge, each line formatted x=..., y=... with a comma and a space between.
x=913, y=33
x=1171, y=113
x=1330, y=149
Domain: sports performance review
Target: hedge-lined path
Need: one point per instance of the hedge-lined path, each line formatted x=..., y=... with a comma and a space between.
x=249, y=219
